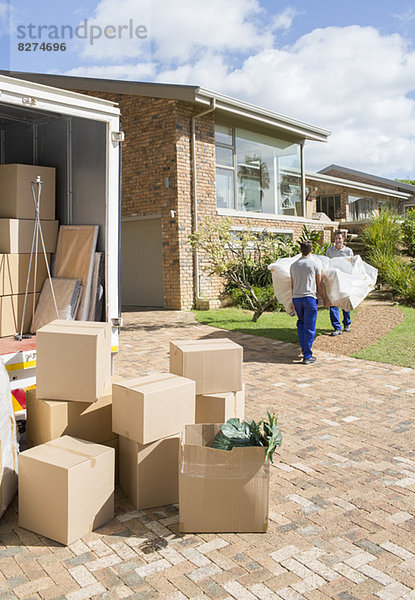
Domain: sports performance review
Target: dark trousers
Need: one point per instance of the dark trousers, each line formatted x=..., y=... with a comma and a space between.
x=335, y=317
x=306, y=309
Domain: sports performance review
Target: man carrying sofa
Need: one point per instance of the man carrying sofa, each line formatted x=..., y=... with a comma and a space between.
x=339, y=250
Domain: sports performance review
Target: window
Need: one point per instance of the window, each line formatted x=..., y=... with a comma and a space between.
x=360, y=208
x=257, y=173
x=330, y=205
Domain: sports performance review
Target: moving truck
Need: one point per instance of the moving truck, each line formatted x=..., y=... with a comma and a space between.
x=80, y=136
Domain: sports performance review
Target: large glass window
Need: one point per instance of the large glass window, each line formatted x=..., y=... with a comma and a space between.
x=265, y=173
x=330, y=205
x=360, y=208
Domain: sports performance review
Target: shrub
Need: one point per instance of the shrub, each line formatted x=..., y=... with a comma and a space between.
x=264, y=295
x=398, y=274
x=314, y=237
x=408, y=227
x=384, y=233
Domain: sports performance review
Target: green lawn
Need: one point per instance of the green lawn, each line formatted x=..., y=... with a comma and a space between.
x=277, y=325
x=398, y=346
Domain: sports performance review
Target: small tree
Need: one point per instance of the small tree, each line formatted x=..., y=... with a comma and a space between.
x=237, y=256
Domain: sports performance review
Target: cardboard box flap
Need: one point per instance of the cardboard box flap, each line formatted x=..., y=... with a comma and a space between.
x=67, y=452
x=209, y=463
x=199, y=459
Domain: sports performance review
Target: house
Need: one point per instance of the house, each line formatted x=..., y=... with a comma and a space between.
x=351, y=197
x=188, y=153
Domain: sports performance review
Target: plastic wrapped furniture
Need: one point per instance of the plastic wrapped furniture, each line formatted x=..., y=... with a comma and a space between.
x=8, y=440
x=347, y=281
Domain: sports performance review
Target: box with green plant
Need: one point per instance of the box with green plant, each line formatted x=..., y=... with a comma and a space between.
x=236, y=434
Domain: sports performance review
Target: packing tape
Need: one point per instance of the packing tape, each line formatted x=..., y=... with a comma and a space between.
x=92, y=459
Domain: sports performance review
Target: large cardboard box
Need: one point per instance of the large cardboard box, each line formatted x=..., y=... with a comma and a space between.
x=73, y=360
x=219, y=490
x=47, y=420
x=149, y=473
x=66, y=488
x=16, y=198
x=14, y=269
x=16, y=236
x=218, y=408
x=215, y=365
x=114, y=443
x=11, y=313
x=152, y=407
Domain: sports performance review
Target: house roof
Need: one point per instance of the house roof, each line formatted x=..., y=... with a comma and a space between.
x=354, y=175
x=359, y=185
x=190, y=93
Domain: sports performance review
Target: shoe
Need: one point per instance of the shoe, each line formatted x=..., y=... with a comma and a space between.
x=336, y=332
x=346, y=328
x=309, y=361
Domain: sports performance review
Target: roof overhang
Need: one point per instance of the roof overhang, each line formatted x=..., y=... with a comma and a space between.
x=357, y=185
x=187, y=93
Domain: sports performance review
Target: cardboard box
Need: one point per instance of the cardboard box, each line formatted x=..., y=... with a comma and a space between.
x=73, y=360
x=215, y=365
x=16, y=198
x=14, y=269
x=16, y=236
x=218, y=408
x=66, y=488
x=114, y=443
x=149, y=473
x=47, y=420
x=219, y=490
x=152, y=407
x=11, y=312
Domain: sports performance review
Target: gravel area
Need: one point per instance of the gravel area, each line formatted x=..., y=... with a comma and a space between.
x=370, y=322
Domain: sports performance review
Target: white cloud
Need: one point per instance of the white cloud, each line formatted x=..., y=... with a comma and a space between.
x=178, y=31
x=351, y=80
x=134, y=72
x=285, y=19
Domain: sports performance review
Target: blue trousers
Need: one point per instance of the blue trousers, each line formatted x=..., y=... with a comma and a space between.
x=335, y=317
x=306, y=309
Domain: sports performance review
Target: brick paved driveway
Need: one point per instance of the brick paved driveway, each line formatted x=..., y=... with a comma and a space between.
x=342, y=493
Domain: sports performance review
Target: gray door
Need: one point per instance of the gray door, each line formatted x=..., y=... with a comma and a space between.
x=141, y=263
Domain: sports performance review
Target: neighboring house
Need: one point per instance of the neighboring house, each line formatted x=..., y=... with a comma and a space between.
x=352, y=197
x=188, y=153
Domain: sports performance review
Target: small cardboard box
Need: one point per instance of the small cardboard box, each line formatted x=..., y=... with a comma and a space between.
x=14, y=269
x=47, y=420
x=66, y=488
x=73, y=360
x=16, y=197
x=16, y=236
x=11, y=312
x=215, y=365
x=152, y=407
x=149, y=474
x=219, y=490
x=218, y=408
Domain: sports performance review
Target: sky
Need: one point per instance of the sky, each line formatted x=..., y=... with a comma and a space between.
x=348, y=67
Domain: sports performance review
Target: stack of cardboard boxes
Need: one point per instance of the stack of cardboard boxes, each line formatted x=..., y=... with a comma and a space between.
x=148, y=414
x=17, y=215
x=66, y=480
x=66, y=484
x=219, y=490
